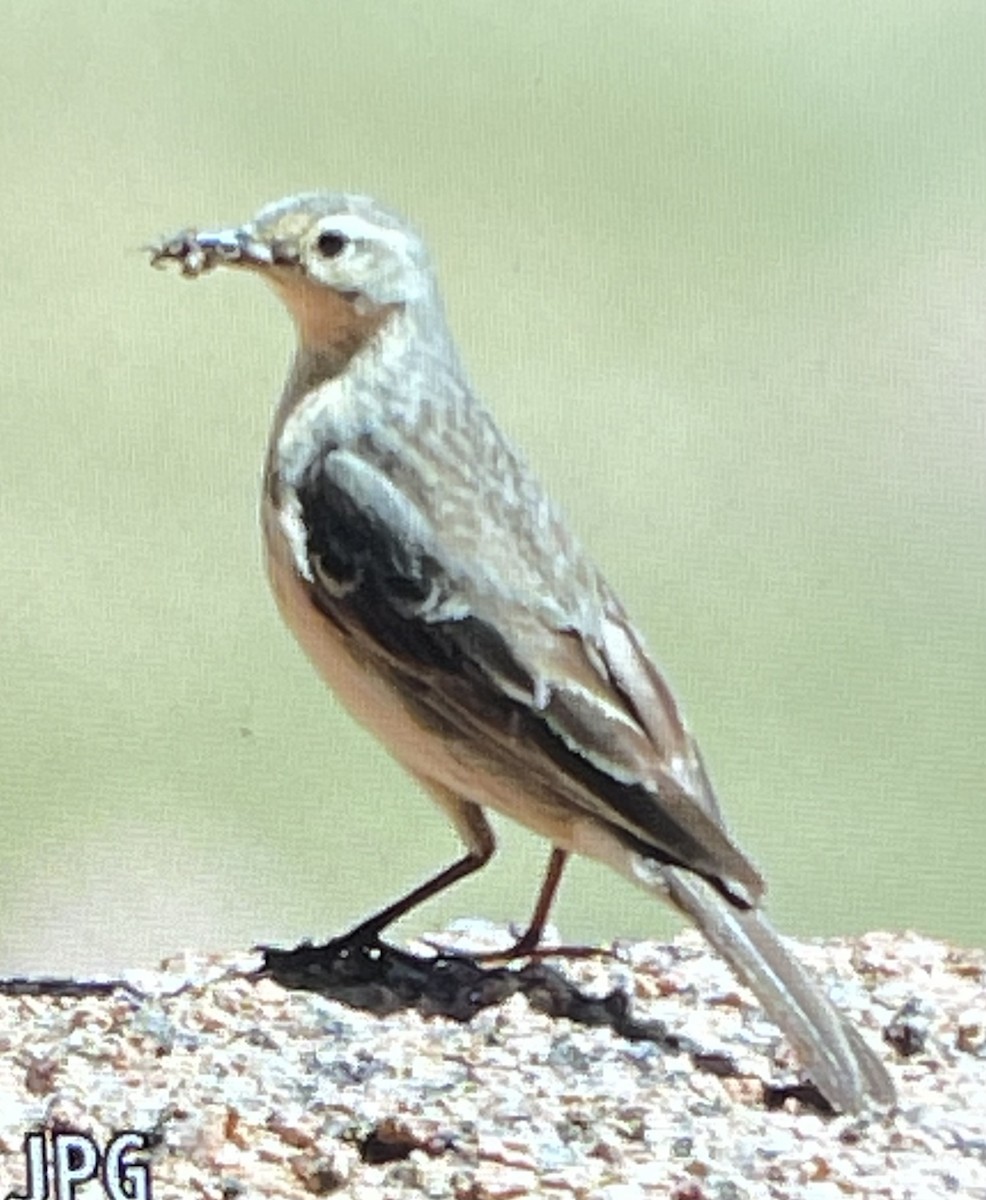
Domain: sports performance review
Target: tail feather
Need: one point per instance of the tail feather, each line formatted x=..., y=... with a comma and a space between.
x=844, y=1069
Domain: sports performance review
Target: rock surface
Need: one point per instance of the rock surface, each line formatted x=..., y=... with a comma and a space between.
x=644, y=1072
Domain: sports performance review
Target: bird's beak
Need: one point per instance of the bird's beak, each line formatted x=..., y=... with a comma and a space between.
x=198, y=251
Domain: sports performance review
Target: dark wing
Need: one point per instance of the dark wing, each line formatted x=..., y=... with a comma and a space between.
x=565, y=702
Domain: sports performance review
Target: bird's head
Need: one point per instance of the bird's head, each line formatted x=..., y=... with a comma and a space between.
x=341, y=263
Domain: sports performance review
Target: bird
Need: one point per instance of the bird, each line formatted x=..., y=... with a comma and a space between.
x=440, y=593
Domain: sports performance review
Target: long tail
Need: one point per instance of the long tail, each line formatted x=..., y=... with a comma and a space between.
x=841, y=1065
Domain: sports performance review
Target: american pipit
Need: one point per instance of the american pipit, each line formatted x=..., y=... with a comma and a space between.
x=439, y=592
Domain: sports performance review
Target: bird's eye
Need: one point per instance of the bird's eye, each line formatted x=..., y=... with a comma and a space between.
x=330, y=244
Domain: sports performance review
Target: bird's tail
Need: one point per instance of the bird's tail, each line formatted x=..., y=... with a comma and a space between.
x=844, y=1069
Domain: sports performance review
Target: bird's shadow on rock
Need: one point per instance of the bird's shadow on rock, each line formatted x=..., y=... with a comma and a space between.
x=375, y=977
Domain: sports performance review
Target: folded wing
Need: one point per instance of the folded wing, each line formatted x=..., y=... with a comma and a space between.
x=563, y=698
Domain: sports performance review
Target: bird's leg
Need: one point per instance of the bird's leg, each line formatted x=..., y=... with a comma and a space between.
x=528, y=945
x=474, y=829
x=372, y=927
x=362, y=944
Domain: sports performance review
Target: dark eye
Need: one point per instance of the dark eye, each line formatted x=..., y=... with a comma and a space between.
x=331, y=244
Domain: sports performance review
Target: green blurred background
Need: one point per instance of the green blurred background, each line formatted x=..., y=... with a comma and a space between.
x=718, y=268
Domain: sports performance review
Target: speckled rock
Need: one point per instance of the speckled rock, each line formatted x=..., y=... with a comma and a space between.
x=678, y=1087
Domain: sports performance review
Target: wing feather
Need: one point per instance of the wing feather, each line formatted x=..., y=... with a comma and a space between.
x=579, y=713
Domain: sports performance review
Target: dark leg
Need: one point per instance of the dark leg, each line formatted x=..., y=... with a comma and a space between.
x=530, y=939
x=458, y=870
x=527, y=945
x=474, y=830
